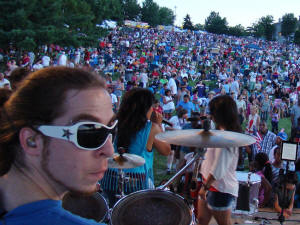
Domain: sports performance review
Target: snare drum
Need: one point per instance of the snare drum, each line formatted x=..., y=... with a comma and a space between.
x=90, y=207
x=247, y=201
x=151, y=207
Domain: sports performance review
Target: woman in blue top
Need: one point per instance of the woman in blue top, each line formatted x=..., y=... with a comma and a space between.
x=136, y=134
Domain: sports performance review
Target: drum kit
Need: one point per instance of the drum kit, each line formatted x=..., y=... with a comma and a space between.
x=160, y=206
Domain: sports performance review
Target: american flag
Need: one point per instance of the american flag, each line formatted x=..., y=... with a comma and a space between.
x=258, y=139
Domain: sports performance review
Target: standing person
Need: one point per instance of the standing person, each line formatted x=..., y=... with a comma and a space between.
x=172, y=85
x=275, y=119
x=220, y=184
x=168, y=104
x=119, y=89
x=46, y=60
x=241, y=105
x=143, y=78
x=254, y=120
x=295, y=114
x=62, y=59
x=53, y=142
x=3, y=81
x=136, y=134
x=265, y=107
x=177, y=121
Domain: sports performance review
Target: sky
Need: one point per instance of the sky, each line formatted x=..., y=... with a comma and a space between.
x=244, y=12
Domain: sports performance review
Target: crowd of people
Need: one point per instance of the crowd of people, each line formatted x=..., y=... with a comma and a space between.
x=184, y=72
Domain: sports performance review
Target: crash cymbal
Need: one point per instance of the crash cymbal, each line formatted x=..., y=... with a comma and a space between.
x=125, y=161
x=206, y=139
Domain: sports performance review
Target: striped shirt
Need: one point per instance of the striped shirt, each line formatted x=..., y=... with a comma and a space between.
x=267, y=143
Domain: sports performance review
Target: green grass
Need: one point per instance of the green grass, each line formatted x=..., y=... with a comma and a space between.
x=160, y=166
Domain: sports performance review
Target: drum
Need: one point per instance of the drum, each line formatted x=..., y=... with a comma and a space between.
x=247, y=201
x=90, y=207
x=151, y=207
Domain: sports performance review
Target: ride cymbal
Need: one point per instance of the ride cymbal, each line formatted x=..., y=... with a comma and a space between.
x=206, y=139
x=125, y=161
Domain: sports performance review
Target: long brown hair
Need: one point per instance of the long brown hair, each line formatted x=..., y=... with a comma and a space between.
x=224, y=111
x=38, y=100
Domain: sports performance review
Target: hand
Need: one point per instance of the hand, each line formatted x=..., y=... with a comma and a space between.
x=288, y=211
x=202, y=193
x=286, y=215
x=156, y=118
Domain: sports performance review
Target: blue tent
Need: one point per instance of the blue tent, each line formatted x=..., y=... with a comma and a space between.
x=253, y=46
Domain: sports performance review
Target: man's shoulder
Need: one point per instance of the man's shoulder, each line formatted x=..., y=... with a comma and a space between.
x=270, y=134
x=46, y=212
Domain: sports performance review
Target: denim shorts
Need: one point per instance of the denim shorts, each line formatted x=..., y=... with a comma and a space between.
x=219, y=201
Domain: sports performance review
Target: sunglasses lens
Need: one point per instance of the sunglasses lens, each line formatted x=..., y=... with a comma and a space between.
x=92, y=135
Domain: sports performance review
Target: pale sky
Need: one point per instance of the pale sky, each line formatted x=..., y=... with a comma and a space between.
x=244, y=12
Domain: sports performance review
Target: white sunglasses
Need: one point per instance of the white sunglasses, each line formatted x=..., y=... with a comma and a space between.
x=85, y=135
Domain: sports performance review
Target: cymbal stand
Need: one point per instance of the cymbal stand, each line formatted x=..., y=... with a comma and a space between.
x=121, y=181
x=196, y=157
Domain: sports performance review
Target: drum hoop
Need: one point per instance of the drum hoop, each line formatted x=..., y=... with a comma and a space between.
x=185, y=207
x=98, y=195
x=104, y=203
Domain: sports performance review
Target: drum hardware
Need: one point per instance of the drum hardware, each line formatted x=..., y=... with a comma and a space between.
x=172, y=179
x=90, y=207
x=121, y=181
x=122, y=161
x=151, y=207
x=247, y=201
x=194, y=186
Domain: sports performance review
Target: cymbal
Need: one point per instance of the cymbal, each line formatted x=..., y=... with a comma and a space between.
x=206, y=139
x=126, y=161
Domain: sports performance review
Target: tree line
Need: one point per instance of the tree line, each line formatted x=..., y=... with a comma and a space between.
x=28, y=24
x=263, y=28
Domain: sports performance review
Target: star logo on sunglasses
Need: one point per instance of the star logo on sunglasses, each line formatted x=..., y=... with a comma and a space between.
x=67, y=133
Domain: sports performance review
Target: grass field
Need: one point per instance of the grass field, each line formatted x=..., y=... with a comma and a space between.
x=160, y=162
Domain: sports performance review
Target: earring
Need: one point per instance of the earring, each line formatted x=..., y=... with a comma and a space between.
x=30, y=142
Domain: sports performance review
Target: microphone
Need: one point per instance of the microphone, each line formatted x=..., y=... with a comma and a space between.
x=165, y=121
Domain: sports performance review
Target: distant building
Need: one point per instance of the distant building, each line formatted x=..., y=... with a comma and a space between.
x=277, y=35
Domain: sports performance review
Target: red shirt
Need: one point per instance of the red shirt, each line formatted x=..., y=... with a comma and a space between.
x=158, y=109
x=155, y=74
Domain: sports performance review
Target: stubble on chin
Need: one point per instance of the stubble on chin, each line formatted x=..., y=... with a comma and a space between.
x=61, y=185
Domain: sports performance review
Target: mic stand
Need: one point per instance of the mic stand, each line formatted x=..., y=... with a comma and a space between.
x=281, y=217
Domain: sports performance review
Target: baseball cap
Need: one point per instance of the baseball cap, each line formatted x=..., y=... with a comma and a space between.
x=283, y=136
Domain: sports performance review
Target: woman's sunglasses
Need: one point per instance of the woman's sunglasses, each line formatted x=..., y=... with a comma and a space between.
x=85, y=135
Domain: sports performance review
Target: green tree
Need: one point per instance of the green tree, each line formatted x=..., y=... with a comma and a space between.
x=297, y=37
x=257, y=30
x=199, y=26
x=131, y=9
x=187, y=23
x=166, y=16
x=265, y=25
x=289, y=24
x=150, y=13
x=237, y=30
x=110, y=10
x=214, y=23
x=14, y=23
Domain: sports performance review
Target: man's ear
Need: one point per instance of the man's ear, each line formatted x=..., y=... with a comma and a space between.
x=31, y=141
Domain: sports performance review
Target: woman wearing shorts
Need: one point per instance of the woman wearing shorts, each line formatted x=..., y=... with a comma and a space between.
x=220, y=185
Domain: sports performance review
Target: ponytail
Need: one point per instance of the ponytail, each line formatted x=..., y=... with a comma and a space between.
x=268, y=171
